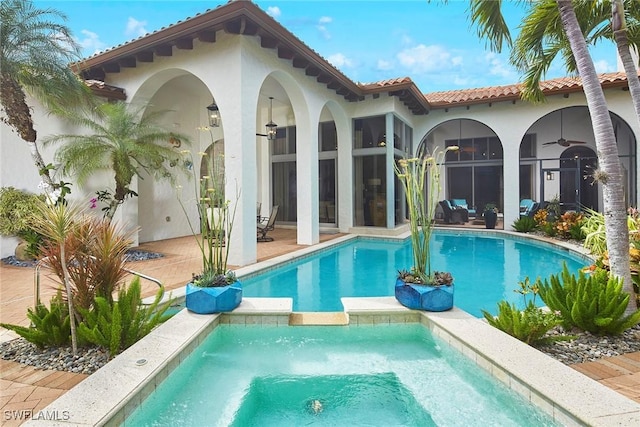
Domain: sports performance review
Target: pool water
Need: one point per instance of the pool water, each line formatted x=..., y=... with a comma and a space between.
x=326, y=376
x=485, y=270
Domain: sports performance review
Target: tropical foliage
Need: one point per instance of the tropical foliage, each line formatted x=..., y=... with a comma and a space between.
x=49, y=326
x=551, y=27
x=593, y=302
x=35, y=53
x=95, y=258
x=529, y=325
x=122, y=139
x=118, y=325
x=525, y=224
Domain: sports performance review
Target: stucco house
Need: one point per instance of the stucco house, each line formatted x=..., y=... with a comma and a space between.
x=328, y=162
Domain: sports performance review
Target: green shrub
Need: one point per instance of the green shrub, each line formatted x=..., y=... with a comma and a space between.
x=569, y=224
x=118, y=326
x=16, y=210
x=550, y=229
x=594, y=302
x=524, y=224
x=529, y=325
x=51, y=327
x=593, y=229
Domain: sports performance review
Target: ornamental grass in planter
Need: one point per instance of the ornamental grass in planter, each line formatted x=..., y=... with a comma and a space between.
x=215, y=289
x=421, y=287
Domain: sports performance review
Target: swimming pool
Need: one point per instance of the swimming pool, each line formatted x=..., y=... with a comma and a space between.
x=274, y=376
x=486, y=269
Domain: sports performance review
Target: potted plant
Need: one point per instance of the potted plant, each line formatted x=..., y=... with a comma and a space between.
x=420, y=288
x=490, y=215
x=215, y=289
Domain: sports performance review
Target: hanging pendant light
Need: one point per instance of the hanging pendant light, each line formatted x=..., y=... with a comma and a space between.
x=214, y=115
x=271, y=126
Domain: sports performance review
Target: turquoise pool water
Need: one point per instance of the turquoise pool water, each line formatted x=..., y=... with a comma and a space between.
x=397, y=375
x=485, y=270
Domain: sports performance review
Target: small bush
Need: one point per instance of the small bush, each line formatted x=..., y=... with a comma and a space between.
x=594, y=302
x=569, y=224
x=529, y=325
x=16, y=211
x=524, y=224
x=118, y=326
x=549, y=229
x=51, y=326
x=540, y=217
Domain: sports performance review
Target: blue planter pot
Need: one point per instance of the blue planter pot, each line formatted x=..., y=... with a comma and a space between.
x=213, y=300
x=421, y=297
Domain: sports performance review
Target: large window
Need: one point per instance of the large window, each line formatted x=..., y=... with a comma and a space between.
x=283, y=174
x=474, y=172
x=528, y=167
x=328, y=158
x=370, y=195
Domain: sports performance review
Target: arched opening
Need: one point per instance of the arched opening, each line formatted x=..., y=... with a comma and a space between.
x=475, y=171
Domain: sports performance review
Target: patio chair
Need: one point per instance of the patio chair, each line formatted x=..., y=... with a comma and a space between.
x=528, y=207
x=453, y=215
x=462, y=203
x=264, y=228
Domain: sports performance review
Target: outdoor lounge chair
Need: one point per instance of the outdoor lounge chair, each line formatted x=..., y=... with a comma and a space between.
x=528, y=207
x=462, y=203
x=453, y=215
x=264, y=228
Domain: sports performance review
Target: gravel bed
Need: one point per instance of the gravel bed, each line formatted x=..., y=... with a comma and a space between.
x=132, y=255
x=87, y=361
x=588, y=347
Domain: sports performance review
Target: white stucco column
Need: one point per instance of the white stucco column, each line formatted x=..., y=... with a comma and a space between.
x=237, y=100
x=511, y=173
x=344, y=128
x=307, y=179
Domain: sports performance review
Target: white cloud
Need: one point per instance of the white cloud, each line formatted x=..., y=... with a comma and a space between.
x=497, y=67
x=384, y=65
x=426, y=59
x=340, y=61
x=90, y=42
x=135, y=28
x=603, y=66
x=274, y=12
x=322, y=28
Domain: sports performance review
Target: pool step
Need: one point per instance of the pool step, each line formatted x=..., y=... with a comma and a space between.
x=339, y=318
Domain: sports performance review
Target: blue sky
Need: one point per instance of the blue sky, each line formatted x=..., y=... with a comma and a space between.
x=431, y=42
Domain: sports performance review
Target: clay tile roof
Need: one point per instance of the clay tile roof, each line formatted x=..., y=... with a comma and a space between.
x=557, y=86
x=386, y=83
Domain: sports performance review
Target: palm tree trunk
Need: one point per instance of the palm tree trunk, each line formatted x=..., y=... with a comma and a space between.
x=610, y=170
x=18, y=116
x=619, y=28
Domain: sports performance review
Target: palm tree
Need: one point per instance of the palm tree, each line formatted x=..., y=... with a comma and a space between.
x=598, y=21
x=35, y=52
x=491, y=25
x=121, y=140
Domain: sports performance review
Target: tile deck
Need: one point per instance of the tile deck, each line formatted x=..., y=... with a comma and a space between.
x=25, y=390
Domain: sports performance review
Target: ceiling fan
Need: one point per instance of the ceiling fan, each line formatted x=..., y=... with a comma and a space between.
x=561, y=141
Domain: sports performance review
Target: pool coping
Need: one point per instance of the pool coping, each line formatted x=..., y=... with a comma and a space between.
x=112, y=393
